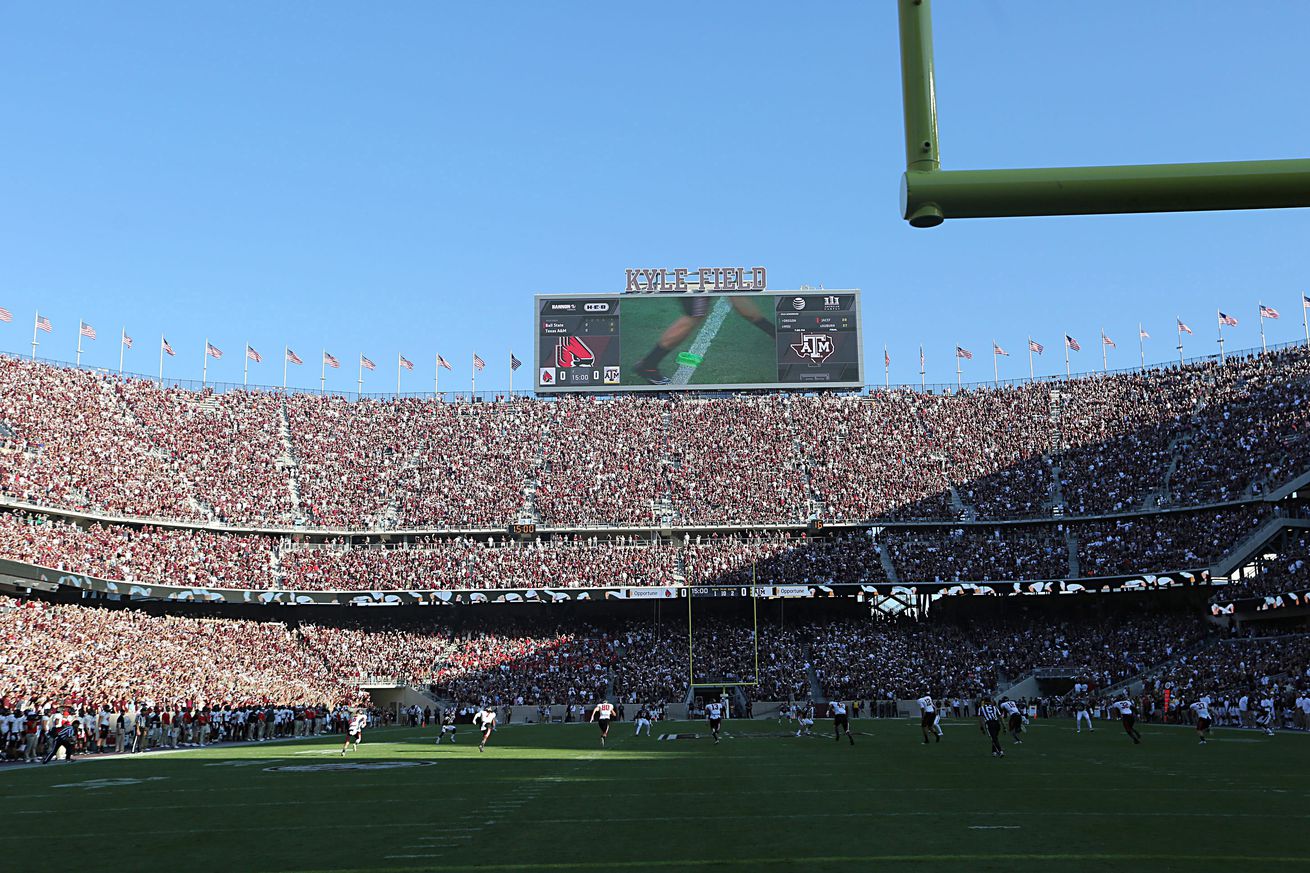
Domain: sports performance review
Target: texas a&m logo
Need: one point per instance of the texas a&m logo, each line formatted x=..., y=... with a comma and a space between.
x=814, y=347
x=570, y=352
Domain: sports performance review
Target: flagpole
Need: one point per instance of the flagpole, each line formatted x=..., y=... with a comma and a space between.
x=78, y=361
x=1105, y=365
x=36, y=319
x=958, y=385
x=245, y=368
x=397, y=375
x=922, y=386
x=511, y=374
x=1180, y=341
x=161, y=360
x=360, y=392
x=204, y=365
x=886, y=368
x=1305, y=326
x=1264, y=349
x=1141, y=345
x=121, y=338
x=1030, y=359
x=285, y=349
x=1066, y=357
x=996, y=367
x=322, y=374
x=1221, y=338
x=473, y=380
x=436, y=377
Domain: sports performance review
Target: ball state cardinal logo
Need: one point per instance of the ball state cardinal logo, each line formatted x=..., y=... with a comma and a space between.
x=572, y=352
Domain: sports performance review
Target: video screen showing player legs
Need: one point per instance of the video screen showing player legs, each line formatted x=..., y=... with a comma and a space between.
x=699, y=339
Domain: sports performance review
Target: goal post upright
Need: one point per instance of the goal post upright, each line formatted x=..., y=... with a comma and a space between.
x=755, y=640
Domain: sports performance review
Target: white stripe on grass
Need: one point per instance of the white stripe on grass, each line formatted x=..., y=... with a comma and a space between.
x=708, y=331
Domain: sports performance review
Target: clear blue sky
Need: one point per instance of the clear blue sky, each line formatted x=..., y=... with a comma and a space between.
x=403, y=177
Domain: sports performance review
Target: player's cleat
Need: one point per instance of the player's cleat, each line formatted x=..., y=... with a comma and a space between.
x=653, y=376
x=851, y=738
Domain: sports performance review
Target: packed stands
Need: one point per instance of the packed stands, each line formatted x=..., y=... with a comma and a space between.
x=86, y=441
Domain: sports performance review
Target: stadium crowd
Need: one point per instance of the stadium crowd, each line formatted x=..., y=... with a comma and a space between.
x=197, y=557
x=83, y=440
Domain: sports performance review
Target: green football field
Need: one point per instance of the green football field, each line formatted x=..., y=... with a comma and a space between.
x=549, y=798
x=735, y=352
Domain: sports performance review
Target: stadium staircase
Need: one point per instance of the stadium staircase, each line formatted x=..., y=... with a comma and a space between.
x=1243, y=552
x=884, y=556
x=1134, y=683
x=963, y=511
x=816, y=687
x=287, y=461
x=1054, y=503
x=1071, y=544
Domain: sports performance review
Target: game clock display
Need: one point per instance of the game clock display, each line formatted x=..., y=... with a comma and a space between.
x=698, y=341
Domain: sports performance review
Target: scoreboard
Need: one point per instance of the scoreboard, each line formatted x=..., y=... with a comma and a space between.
x=698, y=341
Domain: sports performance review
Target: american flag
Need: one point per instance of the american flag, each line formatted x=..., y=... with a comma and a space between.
x=514, y=363
x=163, y=344
x=442, y=362
x=331, y=361
x=366, y=363
x=212, y=350
x=43, y=323
x=6, y=315
x=1227, y=319
x=478, y=363
x=406, y=363
x=1107, y=341
x=962, y=352
x=127, y=341
x=1305, y=301
x=1035, y=346
x=1268, y=311
x=1072, y=343
x=1141, y=332
x=1182, y=328
x=87, y=330
x=997, y=350
x=254, y=355
x=294, y=358
x=886, y=357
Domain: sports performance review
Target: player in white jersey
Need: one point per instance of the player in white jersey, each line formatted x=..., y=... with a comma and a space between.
x=840, y=721
x=805, y=719
x=928, y=718
x=355, y=733
x=1265, y=717
x=714, y=715
x=602, y=715
x=1014, y=719
x=447, y=726
x=1202, y=710
x=1124, y=709
x=486, y=720
x=1082, y=711
x=643, y=721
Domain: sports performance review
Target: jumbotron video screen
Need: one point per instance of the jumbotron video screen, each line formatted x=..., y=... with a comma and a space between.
x=698, y=341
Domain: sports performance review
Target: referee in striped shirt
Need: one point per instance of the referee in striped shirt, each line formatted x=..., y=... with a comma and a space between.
x=989, y=719
x=62, y=737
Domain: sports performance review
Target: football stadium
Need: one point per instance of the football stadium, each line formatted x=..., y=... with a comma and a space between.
x=750, y=571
